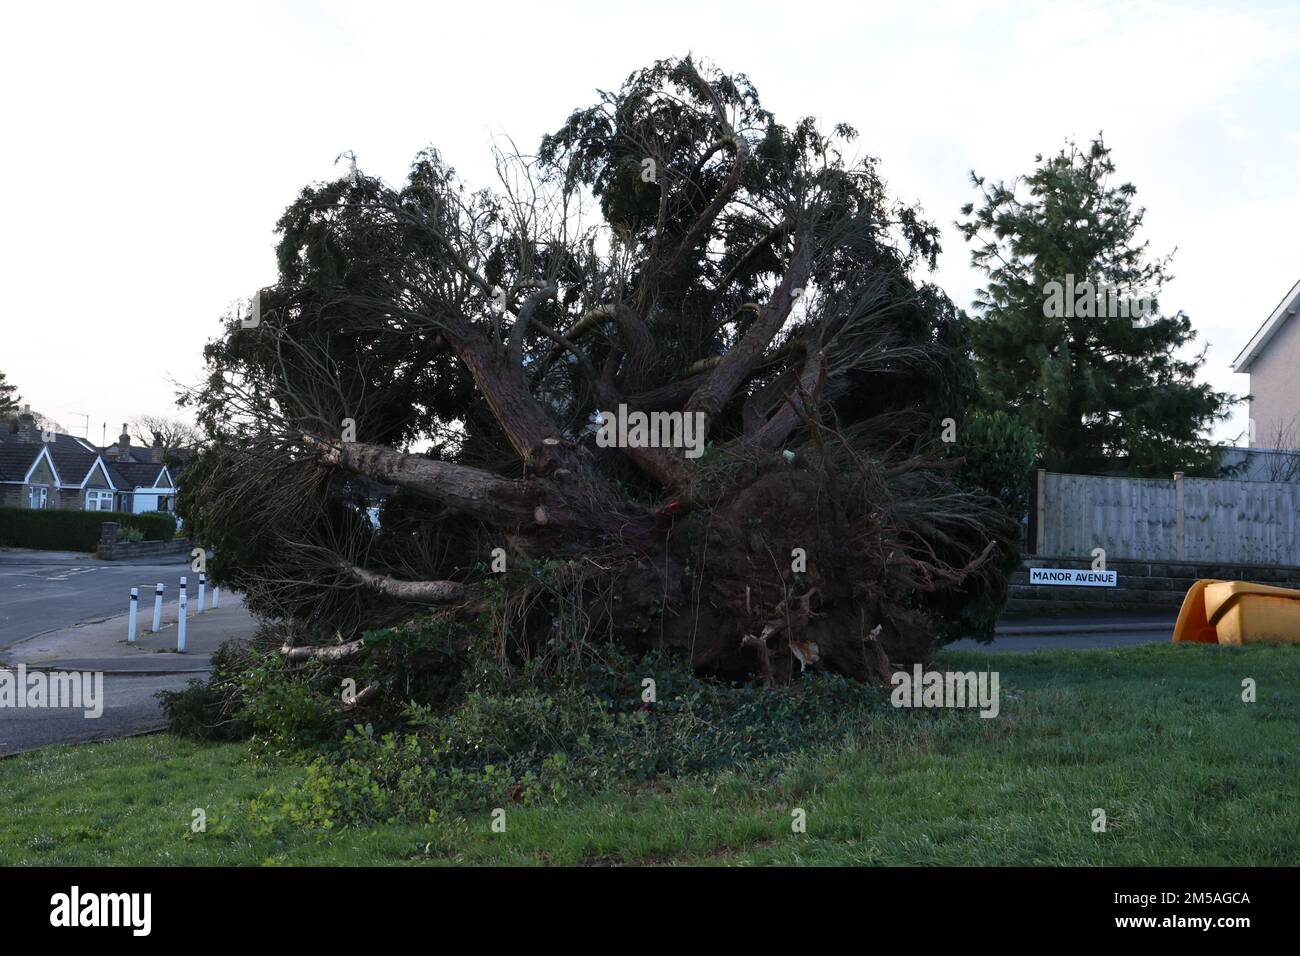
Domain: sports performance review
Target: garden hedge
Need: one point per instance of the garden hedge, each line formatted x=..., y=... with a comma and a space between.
x=52, y=529
x=166, y=516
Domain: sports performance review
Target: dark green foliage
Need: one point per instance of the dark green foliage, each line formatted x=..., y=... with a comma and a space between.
x=212, y=710
x=253, y=693
x=166, y=516
x=55, y=529
x=1000, y=451
x=542, y=741
x=284, y=712
x=453, y=729
x=8, y=400
x=332, y=253
x=1101, y=392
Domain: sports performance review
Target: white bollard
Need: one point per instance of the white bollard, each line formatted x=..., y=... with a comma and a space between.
x=130, y=627
x=203, y=586
x=180, y=622
x=157, y=606
x=216, y=595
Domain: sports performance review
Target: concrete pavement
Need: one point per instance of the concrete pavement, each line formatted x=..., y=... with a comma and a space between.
x=102, y=644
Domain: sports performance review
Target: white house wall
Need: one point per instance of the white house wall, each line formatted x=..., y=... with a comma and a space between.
x=1275, y=409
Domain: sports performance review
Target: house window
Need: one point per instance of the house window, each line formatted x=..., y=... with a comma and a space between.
x=37, y=497
x=99, y=501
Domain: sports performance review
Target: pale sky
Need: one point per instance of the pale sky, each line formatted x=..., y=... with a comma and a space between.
x=146, y=150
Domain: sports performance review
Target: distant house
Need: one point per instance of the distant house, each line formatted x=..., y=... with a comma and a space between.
x=52, y=470
x=1272, y=360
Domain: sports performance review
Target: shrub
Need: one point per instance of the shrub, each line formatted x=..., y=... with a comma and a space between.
x=129, y=533
x=456, y=731
x=56, y=529
x=212, y=710
x=508, y=741
x=163, y=516
x=1000, y=452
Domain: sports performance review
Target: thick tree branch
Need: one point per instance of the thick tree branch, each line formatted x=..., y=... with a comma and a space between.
x=532, y=433
x=529, y=503
x=737, y=363
x=462, y=489
x=326, y=653
x=421, y=592
x=526, y=311
x=773, y=433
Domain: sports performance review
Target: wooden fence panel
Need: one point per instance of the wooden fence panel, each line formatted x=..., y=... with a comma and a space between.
x=1188, y=519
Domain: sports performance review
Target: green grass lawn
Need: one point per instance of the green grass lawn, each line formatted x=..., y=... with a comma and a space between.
x=1157, y=736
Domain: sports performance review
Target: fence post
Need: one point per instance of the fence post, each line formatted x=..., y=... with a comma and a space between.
x=1180, y=517
x=216, y=595
x=1040, y=513
x=130, y=626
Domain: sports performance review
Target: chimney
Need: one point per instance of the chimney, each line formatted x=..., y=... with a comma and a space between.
x=156, y=452
x=124, y=445
x=27, y=425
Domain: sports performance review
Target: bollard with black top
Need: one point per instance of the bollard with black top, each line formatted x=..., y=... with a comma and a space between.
x=130, y=626
x=180, y=624
x=157, y=606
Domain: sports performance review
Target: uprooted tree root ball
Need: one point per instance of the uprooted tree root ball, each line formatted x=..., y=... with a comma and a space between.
x=784, y=575
x=671, y=254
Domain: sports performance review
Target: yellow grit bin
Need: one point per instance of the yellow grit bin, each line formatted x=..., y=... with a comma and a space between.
x=1239, y=612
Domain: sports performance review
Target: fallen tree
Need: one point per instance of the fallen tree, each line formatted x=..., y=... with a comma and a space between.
x=673, y=256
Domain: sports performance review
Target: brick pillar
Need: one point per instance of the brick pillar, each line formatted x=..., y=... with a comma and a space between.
x=107, y=539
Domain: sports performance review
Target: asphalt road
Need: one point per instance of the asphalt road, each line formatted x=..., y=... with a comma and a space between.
x=1014, y=643
x=42, y=592
x=130, y=707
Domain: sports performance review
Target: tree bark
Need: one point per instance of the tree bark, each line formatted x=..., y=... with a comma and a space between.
x=421, y=592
